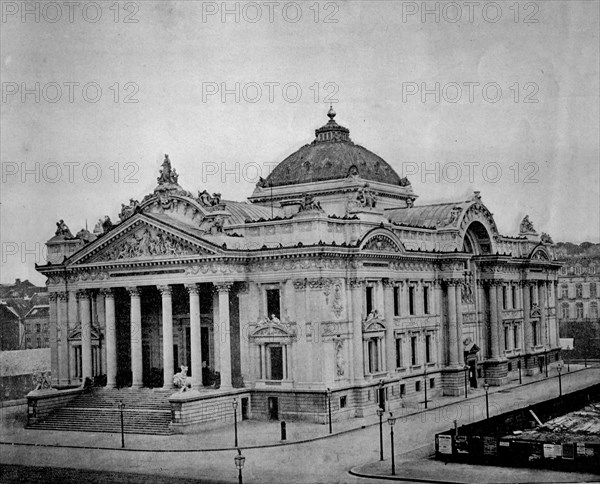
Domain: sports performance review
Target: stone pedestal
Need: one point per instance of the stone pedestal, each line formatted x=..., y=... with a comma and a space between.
x=496, y=372
x=453, y=381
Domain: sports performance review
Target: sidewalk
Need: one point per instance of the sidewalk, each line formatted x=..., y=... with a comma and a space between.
x=256, y=434
x=420, y=466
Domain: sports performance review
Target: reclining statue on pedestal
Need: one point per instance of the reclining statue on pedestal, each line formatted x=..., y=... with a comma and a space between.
x=182, y=381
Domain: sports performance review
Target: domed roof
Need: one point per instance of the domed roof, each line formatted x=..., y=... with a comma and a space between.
x=331, y=156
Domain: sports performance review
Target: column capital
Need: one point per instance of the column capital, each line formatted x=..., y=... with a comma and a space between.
x=356, y=283
x=107, y=292
x=223, y=286
x=387, y=282
x=300, y=283
x=453, y=282
x=243, y=288
x=83, y=294
x=134, y=291
x=192, y=289
x=165, y=290
x=53, y=296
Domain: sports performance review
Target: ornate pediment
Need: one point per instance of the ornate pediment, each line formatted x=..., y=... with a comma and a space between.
x=142, y=239
x=381, y=239
x=273, y=330
x=535, y=312
x=373, y=323
x=75, y=334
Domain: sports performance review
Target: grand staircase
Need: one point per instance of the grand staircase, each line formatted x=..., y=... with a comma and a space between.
x=146, y=411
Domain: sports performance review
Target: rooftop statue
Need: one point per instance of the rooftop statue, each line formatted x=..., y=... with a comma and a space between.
x=168, y=175
x=62, y=229
x=526, y=226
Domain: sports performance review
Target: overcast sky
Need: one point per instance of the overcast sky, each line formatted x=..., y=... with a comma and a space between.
x=510, y=107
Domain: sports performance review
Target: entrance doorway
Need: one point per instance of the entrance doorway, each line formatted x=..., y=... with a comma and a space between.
x=244, y=409
x=472, y=373
x=276, y=363
x=273, y=407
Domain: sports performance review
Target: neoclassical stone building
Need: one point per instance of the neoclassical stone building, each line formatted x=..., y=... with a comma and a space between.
x=330, y=277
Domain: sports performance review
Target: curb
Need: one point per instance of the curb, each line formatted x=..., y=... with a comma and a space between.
x=280, y=444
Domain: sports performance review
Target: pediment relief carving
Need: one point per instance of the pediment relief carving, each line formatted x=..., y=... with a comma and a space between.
x=273, y=329
x=147, y=241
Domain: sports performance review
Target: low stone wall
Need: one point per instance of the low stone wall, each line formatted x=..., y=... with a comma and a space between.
x=13, y=413
x=41, y=403
x=193, y=411
x=17, y=369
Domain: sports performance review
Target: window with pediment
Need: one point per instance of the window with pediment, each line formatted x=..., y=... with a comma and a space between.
x=579, y=310
x=565, y=311
x=564, y=291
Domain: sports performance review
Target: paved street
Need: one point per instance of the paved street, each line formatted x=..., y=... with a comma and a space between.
x=326, y=459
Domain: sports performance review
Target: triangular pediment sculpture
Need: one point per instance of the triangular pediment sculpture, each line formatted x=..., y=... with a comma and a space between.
x=373, y=323
x=142, y=238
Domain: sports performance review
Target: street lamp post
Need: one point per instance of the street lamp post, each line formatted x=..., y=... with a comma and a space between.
x=392, y=421
x=486, y=387
x=519, y=366
x=239, y=464
x=569, y=359
x=466, y=368
x=380, y=414
x=121, y=405
x=234, y=404
x=329, y=408
x=559, y=368
x=425, y=384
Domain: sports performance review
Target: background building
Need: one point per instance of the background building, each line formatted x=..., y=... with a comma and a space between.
x=579, y=298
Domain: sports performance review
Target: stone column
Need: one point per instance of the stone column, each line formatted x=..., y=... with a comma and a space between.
x=54, y=297
x=111, y=338
x=527, y=329
x=495, y=344
x=543, y=313
x=224, y=334
x=500, y=319
x=62, y=340
x=390, y=343
x=459, y=325
x=101, y=320
x=86, y=334
x=167, y=335
x=136, y=337
x=195, y=343
x=452, y=323
x=356, y=290
x=263, y=361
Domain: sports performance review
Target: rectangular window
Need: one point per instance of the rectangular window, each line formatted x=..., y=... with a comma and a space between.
x=411, y=300
x=276, y=363
x=417, y=386
x=428, y=348
x=369, y=294
x=273, y=303
x=504, y=305
x=425, y=299
x=506, y=337
x=432, y=383
x=592, y=289
x=373, y=347
x=398, y=352
x=514, y=297
x=396, y=301
x=535, y=333
x=565, y=291
x=413, y=350
x=402, y=389
x=516, y=336
x=343, y=401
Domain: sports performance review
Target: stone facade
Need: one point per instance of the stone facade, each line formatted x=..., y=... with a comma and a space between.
x=339, y=292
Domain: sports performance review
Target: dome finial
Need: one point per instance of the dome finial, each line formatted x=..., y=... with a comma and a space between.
x=331, y=113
